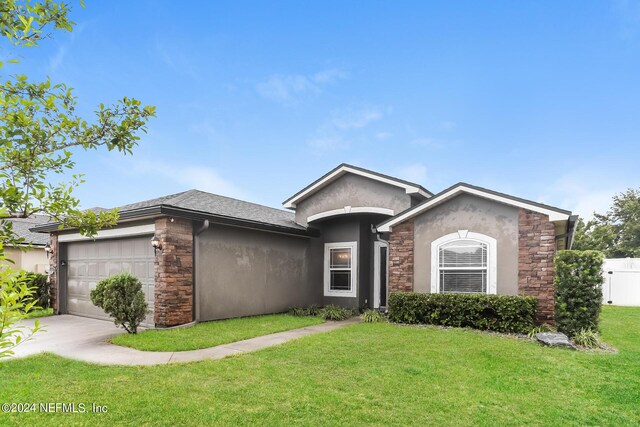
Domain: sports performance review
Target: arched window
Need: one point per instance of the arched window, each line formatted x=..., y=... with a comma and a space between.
x=463, y=262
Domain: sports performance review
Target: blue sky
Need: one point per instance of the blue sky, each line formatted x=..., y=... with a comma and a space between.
x=257, y=99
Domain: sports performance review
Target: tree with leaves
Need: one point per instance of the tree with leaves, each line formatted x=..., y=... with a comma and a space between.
x=39, y=133
x=616, y=233
x=40, y=129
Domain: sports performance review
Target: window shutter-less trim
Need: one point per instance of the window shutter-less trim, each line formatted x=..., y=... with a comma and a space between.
x=464, y=264
x=340, y=269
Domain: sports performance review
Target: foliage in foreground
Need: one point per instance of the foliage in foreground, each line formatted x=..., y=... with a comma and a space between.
x=501, y=313
x=16, y=302
x=121, y=297
x=39, y=284
x=40, y=130
x=578, y=290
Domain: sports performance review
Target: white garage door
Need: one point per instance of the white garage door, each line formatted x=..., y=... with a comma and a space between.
x=90, y=262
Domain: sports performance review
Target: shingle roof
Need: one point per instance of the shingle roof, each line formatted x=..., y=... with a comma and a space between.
x=21, y=228
x=201, y=201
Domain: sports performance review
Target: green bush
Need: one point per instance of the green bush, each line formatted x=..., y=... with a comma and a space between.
x=298, y=311
x=502, y=313
x=587, y=338
x=314, y=310
x=121, y=297
x=578, y=294
x=39, y=284
x=372, y=316
x=333, y=312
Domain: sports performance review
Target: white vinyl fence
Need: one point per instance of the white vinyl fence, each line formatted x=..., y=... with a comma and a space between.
x=621, y=284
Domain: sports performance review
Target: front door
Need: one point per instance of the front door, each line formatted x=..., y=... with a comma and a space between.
x=380, y=250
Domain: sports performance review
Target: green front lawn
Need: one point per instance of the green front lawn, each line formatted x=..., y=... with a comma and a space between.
x=210, y=334
x=365, y=374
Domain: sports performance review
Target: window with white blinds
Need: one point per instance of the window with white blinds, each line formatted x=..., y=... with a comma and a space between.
x=340, y=269
x=462, y=267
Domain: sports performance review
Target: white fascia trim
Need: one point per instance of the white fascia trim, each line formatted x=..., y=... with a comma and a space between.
x=350, y=210
x=492, y=258
x=409, y=189
x=137, y=230
x=354, y=270
x=553, y=215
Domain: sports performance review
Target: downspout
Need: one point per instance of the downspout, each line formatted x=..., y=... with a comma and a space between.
x=196, y=300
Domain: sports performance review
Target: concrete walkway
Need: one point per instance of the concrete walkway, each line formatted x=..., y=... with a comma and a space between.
x=85, y=339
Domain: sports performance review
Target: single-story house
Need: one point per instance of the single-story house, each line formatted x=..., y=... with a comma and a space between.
x=30, y=254
x=349, y=238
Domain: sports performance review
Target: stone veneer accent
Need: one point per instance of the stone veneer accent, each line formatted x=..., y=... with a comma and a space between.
x=401, y=257
x=174, y=272
x=53, y=273
x=536, y=249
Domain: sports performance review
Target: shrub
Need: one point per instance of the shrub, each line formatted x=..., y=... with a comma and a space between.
x=587, y=338
x=298, y=311
x=578, y=294
x=501, y=313
x=371, y=316
x=121, y=297
x=313, y=310
x=39, y=285
x=333, y=312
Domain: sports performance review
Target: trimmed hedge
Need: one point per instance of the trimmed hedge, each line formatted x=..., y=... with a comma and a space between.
x=501, y=313
x=578, y=295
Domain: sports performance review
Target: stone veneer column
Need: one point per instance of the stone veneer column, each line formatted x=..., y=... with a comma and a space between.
x=536, y=249
x=401, y=258
x=174, y=272
x=53, y=273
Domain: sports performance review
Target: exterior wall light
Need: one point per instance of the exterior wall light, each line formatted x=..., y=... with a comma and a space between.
x=155, y=242
x=48, y=250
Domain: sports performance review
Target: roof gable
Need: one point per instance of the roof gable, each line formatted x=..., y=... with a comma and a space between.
x=409, y=187
x=555, y=214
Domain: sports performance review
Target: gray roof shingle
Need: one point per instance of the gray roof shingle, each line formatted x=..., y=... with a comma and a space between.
x=217, y=205
x=21, y=228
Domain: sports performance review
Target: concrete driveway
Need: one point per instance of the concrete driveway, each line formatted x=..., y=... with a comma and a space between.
x=85, y=339
x=66, y=335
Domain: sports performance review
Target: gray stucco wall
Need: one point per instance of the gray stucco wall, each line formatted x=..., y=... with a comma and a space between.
x=467, y=212
x=242, y=272
x=356, y=191
x=341, y=229
x=354, y=228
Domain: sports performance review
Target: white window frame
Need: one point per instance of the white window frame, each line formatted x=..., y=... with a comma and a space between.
x=353, y=292
x=492, y=255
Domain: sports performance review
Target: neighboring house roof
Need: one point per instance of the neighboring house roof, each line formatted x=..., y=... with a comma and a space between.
x=201, y=205
x=22, y=228
x=555, y=214
x=409, y=187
